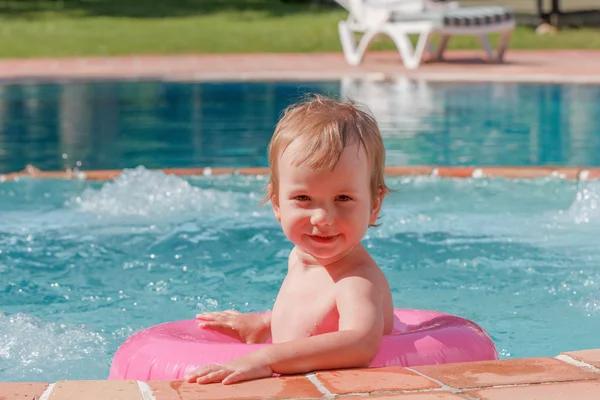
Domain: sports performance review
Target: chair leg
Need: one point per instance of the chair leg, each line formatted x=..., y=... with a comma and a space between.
x=411, y=57
x=502, y=45
x=486, y=46
x=353, y=53
x=439, y=53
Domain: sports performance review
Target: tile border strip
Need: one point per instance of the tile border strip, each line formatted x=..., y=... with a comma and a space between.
x=474, y=172
x=580, y=364
x=303, y=76
x=46, y=394
x=312, y=377
x=146, y=392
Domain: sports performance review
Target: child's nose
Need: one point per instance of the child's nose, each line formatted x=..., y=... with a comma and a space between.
x=321, y=216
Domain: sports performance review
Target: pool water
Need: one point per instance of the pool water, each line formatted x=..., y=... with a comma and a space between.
x=114, y=125
x=84, y=264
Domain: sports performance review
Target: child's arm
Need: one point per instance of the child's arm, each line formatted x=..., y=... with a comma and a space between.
x=248, y=328
x=354, y=345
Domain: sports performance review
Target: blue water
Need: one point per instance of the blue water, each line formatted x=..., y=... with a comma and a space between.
x=123, y=125
x=83, y=265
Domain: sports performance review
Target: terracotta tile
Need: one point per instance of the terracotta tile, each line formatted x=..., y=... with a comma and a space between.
x=165, y=390
x=505, y=372
x=594, y=173
x=22, y=390
x=183, y=171
x=436, y=395
x=570, y=173
x=373, y=379
x=290, y=387
x=253, y=171
x=408, y=170
x=588, y=356
x=516, y=172
x=538, y=65
x=96, y=390
x=557, y=391
x=101, y=175
x=455, y=172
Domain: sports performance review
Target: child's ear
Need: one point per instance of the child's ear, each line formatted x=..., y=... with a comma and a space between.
x=376, y=207
x=275, y=205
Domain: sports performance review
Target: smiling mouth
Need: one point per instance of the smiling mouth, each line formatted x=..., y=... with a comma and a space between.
x=323, y=238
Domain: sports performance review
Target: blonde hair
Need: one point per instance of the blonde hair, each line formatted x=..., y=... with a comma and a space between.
x=327, y=126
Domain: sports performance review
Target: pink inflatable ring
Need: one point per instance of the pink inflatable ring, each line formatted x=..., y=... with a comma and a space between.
x=168, y=351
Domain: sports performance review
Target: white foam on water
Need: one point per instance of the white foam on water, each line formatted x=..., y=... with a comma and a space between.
x=586, y=206
x=29, y=346
x=140, y=192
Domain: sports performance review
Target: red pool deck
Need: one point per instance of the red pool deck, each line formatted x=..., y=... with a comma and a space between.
x=573, y=375
x=570, y=375
x=573, y=66
x=569, y=173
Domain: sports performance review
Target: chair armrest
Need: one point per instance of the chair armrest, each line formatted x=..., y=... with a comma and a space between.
x=446, y=5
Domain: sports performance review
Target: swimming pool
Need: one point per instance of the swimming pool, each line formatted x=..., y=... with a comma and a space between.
x=112, y=125
x=86, y=264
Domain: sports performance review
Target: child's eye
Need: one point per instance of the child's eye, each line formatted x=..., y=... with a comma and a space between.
x=302, y=197
x=343, y=197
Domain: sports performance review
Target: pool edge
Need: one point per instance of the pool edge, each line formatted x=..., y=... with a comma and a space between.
x=533, y=172
x=574, y=374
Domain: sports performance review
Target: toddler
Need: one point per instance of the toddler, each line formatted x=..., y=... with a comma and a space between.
x=326, y=188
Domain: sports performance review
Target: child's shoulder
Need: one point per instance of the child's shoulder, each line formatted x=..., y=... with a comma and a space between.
x=292, y=258
x=361, y=268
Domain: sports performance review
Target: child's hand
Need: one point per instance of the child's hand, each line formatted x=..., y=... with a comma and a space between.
x=248, y=328
x=242, y=369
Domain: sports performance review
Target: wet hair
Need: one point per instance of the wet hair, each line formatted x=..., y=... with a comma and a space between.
x=326, y=126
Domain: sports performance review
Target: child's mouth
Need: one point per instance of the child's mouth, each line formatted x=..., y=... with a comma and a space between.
x=323, y=238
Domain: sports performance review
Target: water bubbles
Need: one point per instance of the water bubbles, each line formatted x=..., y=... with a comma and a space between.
x=586, y=207
x=504, y=353
x=55, y=351
x=143, y=193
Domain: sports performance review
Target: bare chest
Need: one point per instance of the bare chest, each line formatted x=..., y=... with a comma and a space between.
x=304, y=307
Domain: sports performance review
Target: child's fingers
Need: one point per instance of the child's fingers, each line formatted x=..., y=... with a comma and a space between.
x=206, y=374
x=212, y=316
x=235, y=377
x=212, y=377
x=214, y=325
x=218, y=315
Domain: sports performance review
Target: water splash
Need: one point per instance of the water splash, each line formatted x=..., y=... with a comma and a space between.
x=144, y=193
x=29, y=347
x=586, y=206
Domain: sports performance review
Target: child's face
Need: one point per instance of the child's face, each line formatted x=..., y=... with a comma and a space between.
x=326, y=213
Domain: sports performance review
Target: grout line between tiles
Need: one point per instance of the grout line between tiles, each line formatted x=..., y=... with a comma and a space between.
x=392, y=392
x=47, y=392
x=145, y=391
x=517, y=385
x=312, y=377
x=443, y=385
x=577, y=363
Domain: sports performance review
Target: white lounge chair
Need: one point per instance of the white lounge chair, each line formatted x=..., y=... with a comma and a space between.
x=400, y=18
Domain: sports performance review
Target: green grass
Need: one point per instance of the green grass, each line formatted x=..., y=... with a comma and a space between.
x=30, y=28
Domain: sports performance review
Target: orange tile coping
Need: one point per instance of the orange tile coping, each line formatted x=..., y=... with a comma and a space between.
x=568, y=65
x=570, y=375
x=571, y=173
